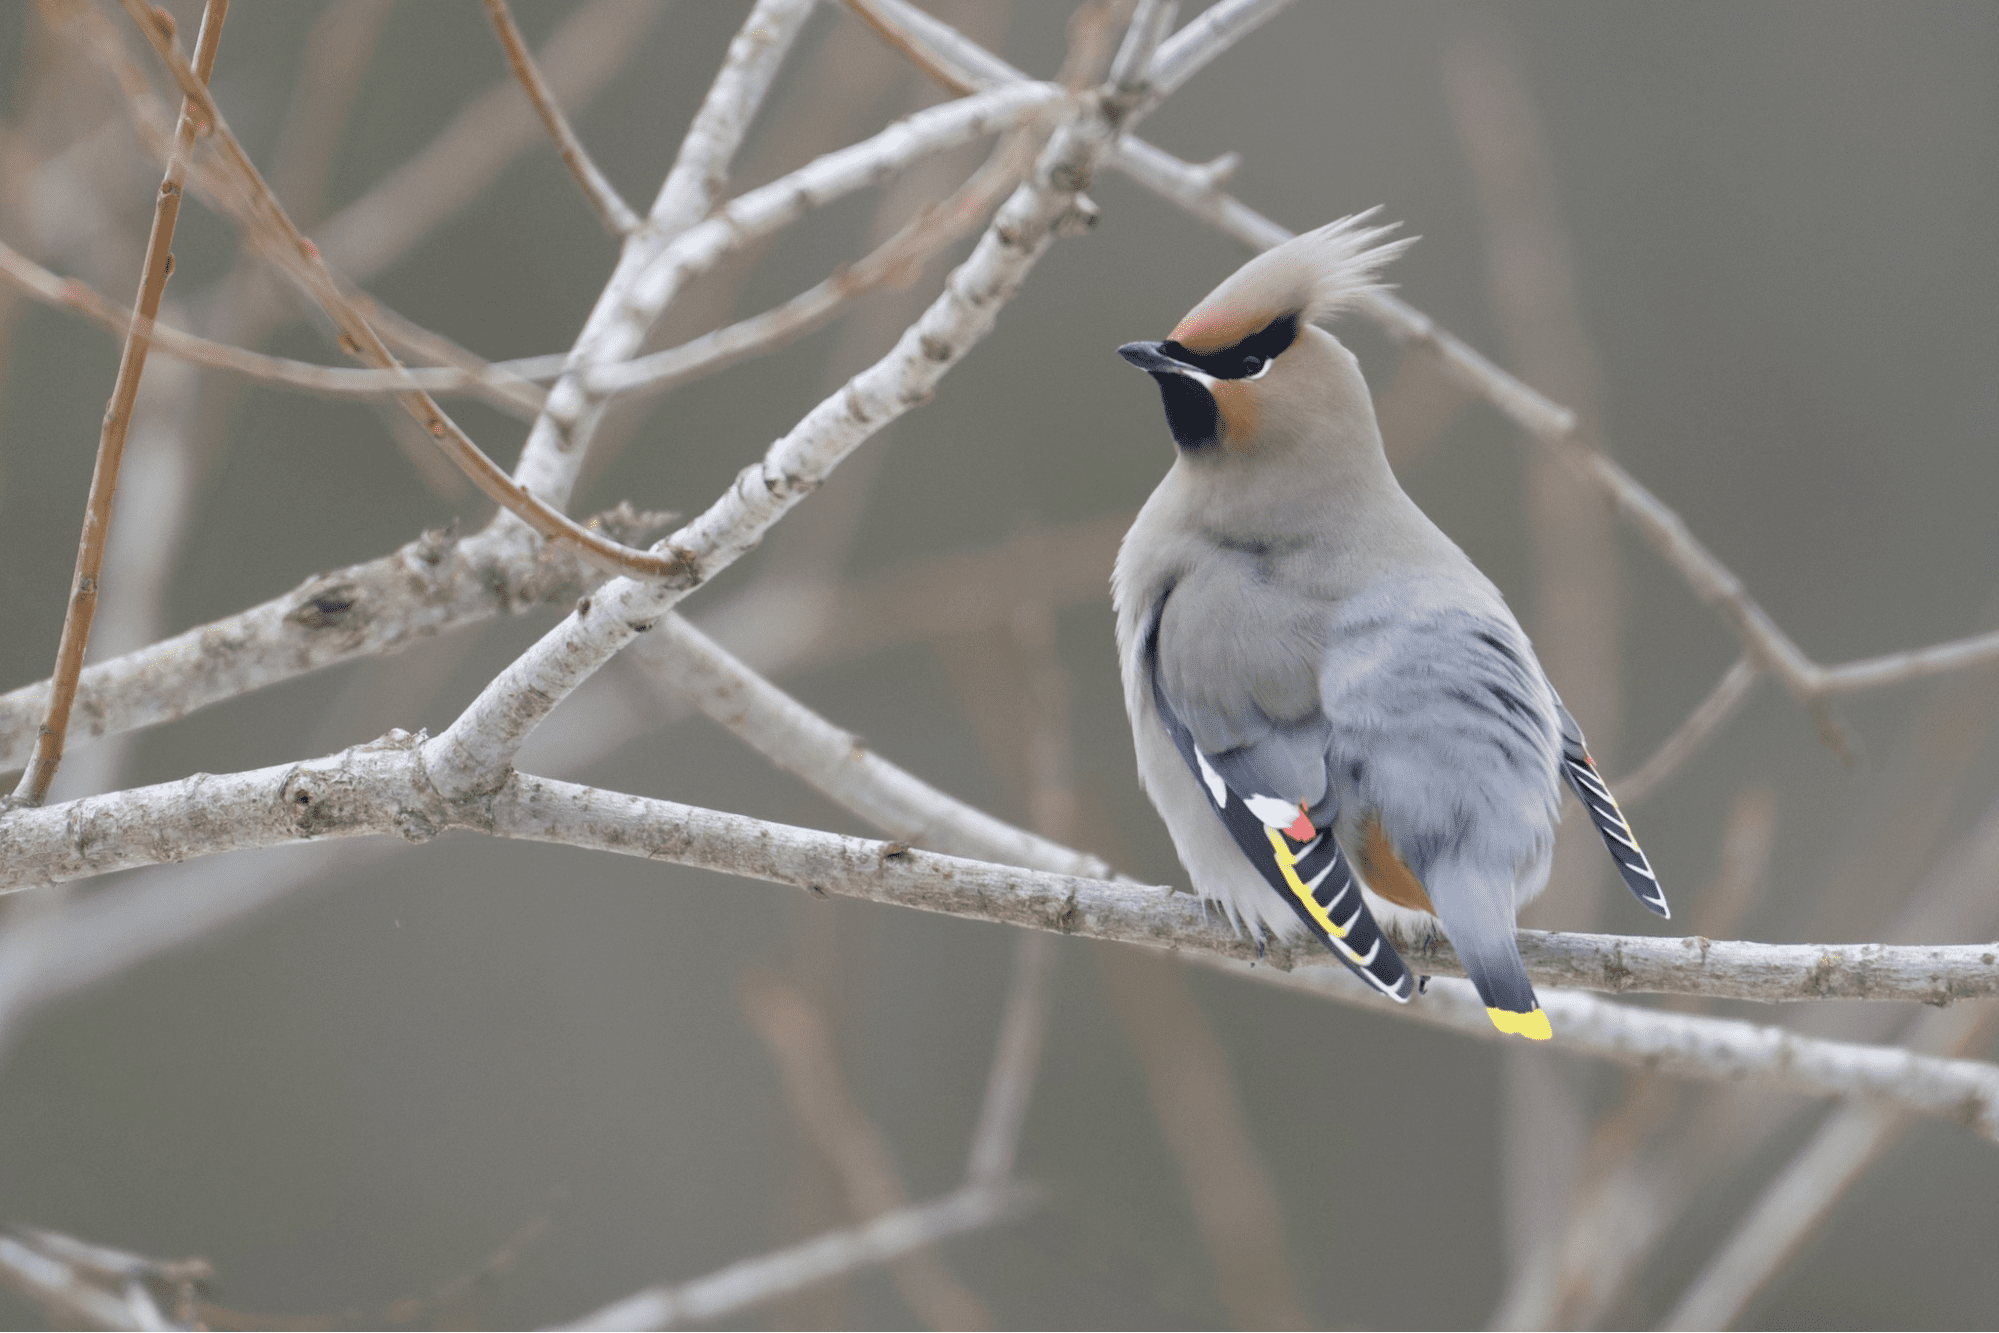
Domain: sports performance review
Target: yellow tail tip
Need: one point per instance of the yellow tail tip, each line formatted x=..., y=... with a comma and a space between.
x=1532, y=1025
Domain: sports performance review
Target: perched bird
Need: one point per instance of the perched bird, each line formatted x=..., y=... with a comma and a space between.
x=1319, y=681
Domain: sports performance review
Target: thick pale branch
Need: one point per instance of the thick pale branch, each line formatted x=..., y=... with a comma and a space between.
x=441, y=583
x=478, y=748
x=750, y=1282
x=1719, y=1049
x=618, y=322
x=1218, y=27
x=433, y=585
x=795, y=738
x=892, y=261
x=384, y=788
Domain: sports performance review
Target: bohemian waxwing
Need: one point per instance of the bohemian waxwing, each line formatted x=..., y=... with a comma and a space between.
x=1318, y=678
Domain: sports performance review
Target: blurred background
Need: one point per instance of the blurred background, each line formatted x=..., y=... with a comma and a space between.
x=504, y=1084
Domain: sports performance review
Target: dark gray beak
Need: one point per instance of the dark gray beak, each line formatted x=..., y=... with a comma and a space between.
x=1148, y=358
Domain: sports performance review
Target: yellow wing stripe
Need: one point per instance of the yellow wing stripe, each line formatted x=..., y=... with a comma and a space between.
x=1287, y=864
x=1533, y=1026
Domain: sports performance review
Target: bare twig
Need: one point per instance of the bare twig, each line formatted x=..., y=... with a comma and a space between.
x=445, y=1296
x=557, y=445
x=441, y=179
x=385, y=788
x=1016, y=1059
x=826, y=1111
x=159, y=264
x=1701, y=725
x=478, y=747
x=794, y=738
x=611, y=210
x=260, y=212
x=1916, y=664
x=749, y=1282
x=1578, y=604
x=890, y=263
x=961, y=64
x=440, y=584
x=1794, y=1205
x=93, y=1286
x=507, y=385
x=1218, y=27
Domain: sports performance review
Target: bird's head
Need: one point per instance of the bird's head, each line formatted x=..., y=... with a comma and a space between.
x=1248, y=368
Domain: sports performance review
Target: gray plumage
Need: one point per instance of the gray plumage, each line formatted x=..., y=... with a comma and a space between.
x=1328, y=650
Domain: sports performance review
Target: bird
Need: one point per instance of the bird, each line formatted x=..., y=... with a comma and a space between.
x=1334, y=712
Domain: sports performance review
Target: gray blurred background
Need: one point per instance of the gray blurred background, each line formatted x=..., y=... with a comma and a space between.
x=1780, y=221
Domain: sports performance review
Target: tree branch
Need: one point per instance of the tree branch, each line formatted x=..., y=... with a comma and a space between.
x=1701, y=726
x=433, y=585
x=505, y=384
x=385, y=788
x=618, y=322
x=259, y=212
x=748, y=1282
x=603, y=197
x=477, y=748
x=153, y=274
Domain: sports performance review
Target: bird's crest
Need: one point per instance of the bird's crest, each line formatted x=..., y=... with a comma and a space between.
x=1314, y=276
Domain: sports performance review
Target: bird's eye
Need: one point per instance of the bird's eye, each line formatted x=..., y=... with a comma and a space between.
x=1256, y=367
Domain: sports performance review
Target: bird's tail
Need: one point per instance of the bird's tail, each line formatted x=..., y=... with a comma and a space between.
x=1477, y=913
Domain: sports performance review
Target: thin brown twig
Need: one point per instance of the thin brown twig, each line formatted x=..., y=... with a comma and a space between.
x=940, y=72
x=611, y=209
x=500, y=383
x=259, y=211
x=1701, y=726
x=159, y=265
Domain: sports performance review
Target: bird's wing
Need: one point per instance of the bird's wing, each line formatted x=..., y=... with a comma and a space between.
x=1297, y=857
x=1594, y=793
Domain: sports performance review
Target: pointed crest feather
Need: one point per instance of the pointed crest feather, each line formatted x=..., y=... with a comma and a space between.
x=1315, y=275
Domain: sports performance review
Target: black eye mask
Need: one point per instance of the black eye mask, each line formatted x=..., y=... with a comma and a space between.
x=1243, y=360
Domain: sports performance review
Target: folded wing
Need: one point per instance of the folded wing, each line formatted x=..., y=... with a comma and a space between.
x=1299, y=860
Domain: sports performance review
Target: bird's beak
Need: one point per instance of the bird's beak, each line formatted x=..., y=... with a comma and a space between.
x=1148, y=358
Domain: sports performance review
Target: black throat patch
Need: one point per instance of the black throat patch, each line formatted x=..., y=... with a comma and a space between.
x=1190, y=412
